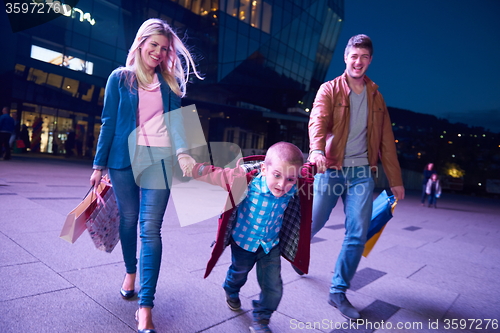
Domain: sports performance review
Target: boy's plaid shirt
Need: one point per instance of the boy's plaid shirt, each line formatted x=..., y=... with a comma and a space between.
x=289, y=232
x=260, y=216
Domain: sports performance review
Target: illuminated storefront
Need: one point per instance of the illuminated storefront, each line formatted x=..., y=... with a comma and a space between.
x=263, y=62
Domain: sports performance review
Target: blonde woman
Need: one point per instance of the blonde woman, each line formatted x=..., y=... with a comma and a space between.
x=152, y=83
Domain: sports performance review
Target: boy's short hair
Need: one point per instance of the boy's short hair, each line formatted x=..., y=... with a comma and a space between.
x=360, y=41
x=286, y=152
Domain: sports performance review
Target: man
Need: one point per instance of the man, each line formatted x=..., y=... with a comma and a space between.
x=349, y=129
x=7, y=127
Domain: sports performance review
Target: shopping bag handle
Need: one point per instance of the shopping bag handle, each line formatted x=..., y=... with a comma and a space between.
x=104, y=180
x=393, y=205
x=90, y=189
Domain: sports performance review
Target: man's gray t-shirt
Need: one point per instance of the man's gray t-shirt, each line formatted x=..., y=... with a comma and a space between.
x=356, y=150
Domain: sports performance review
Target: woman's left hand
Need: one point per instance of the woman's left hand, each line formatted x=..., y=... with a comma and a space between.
x=186, y=163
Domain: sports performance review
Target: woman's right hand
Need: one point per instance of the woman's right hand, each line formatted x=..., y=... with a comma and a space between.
x=95, y=178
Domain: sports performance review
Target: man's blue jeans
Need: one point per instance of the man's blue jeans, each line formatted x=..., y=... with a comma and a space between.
x=268, y=276
x=355, y=185
x=146, y=207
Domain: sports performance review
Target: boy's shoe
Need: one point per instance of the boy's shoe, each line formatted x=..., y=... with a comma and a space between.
x=340, y=301
x=233, y=303
x=298, y=271
x=261, y=326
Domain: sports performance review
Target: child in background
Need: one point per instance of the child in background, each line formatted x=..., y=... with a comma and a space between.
x=433, y=190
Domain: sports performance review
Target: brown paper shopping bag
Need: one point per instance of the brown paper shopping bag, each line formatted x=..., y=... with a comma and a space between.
x=74, y=225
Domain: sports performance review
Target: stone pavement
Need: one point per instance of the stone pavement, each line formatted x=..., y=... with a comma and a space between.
x=433, y=270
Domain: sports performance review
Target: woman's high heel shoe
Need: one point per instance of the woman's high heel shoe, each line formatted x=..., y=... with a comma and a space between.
x=127, y=294
x=144, y=330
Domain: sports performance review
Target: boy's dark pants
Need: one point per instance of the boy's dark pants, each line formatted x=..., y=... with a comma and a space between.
x=268, y=276
x=432, y=200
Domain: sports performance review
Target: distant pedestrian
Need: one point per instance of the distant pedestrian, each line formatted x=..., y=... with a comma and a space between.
x=17, y=130
x=433, y=190
x=69, y=144
x=428, y=172
x=79, y=138
x=7, y=129
x=25, y=136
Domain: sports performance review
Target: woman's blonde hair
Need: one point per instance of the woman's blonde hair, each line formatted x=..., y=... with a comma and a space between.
x=175, y=69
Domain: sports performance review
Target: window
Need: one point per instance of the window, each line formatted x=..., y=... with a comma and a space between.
x=101, y=97
x=243, y=140
x=255, y=141
x=229, y=135
x=244, y=11
x=256, y=10
x=37, y=76
x=86, y=91
x=70, y=86
x=59, y=59
x=19, y=69
x=256, y=13
x=54, y=80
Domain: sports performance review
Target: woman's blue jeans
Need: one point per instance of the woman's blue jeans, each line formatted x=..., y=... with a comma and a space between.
x=268, y=276
x=355, y=185
x=146, y=207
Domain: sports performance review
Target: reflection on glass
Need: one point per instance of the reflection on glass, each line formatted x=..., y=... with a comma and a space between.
x=90, y=91
x=244, y=11
x=256, y=8
x=200, y=7
x=267, y=14
x=54, y=80
x=70, y=86
x=232, y=8
x=257, y=13
x=19, y=69
x=37, y=76
x=59, y=59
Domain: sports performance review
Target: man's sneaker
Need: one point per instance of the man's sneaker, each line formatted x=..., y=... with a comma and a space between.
x=260, y=326
x=298, y=271
x=233, y=303
x=340, y=301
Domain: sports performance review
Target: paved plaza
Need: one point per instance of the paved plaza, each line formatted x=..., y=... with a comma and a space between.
x=433, y=270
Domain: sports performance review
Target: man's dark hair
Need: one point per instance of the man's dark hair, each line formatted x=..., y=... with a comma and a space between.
x=359, y=41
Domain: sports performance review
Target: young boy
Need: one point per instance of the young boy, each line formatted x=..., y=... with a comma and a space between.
x=433, y=189
x=265, y=224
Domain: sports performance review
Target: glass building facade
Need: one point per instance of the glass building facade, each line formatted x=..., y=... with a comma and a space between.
x=263, y=62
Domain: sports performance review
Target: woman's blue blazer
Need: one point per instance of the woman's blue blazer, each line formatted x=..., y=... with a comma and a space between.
x=119, y=117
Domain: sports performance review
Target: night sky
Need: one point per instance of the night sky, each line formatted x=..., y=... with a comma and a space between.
x=440, y=57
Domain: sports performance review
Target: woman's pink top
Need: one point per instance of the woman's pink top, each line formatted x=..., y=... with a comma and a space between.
x=152, y=130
